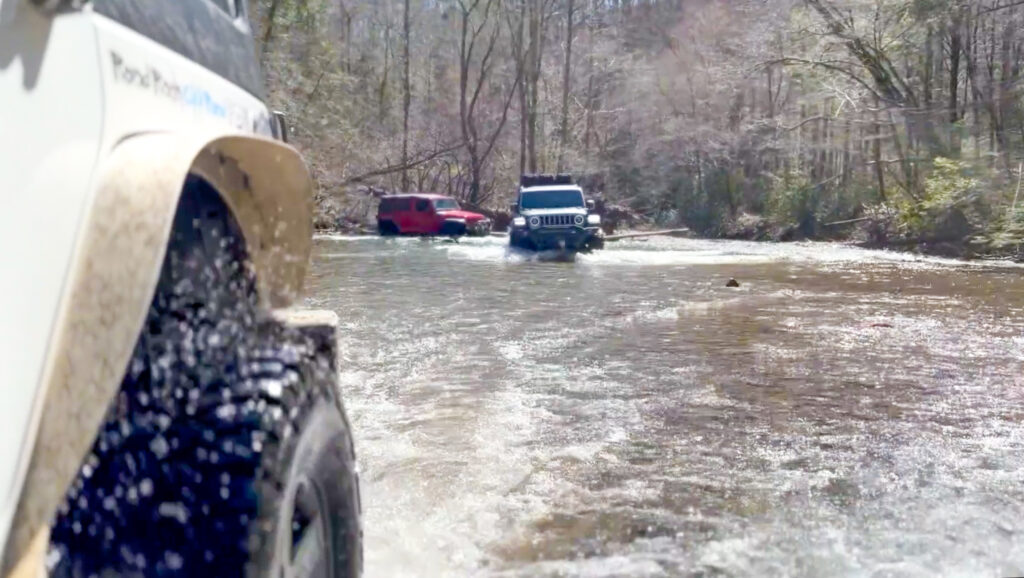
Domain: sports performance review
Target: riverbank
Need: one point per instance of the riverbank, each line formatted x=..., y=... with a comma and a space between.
x=947, y=249
x=950, y=249
x=869, y=233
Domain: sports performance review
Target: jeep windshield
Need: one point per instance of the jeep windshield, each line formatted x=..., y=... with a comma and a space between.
x=446, y=205
x=567, y=198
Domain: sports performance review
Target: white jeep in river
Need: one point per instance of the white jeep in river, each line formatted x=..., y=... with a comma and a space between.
x=552, y=213
x=164, y=412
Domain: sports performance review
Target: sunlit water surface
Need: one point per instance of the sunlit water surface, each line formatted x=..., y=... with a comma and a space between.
x=843, y=412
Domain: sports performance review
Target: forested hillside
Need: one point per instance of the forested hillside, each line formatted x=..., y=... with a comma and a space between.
x=756, y=118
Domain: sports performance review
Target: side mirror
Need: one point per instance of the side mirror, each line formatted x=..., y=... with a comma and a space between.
x=279, y=126
x=514, y=207
x=590, y=204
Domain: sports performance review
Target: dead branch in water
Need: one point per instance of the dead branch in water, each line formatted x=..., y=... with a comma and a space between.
x=667, y=233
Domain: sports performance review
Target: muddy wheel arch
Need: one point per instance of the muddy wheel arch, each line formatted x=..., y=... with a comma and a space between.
x=119, y=253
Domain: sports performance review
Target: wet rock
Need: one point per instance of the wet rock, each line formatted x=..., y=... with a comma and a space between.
x=732, y=283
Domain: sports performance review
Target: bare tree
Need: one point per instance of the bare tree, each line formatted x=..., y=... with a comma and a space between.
x=566, y=85
x=478, y=41
x=538, y=15
x=406, y=93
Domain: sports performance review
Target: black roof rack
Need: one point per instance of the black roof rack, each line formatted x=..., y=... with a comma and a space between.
x=545, y=180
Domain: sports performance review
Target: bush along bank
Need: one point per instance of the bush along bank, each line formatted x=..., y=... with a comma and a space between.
x=958, y=211
x=963, y=212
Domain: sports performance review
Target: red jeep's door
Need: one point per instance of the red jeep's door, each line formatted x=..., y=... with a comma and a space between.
x=402, y=215
x=423, y=217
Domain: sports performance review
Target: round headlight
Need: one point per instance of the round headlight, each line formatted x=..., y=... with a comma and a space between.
x=534, y=222
x=579, y=220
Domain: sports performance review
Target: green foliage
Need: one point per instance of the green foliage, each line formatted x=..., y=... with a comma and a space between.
x=792, y=199
x=1006, y=233
x=948, y=186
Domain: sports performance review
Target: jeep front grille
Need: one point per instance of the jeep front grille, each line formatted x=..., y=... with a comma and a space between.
x=556, y=220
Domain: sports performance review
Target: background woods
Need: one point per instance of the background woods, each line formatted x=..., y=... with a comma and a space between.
x=750, y=118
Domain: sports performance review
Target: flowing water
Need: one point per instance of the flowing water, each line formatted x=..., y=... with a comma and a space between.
x=841, y=413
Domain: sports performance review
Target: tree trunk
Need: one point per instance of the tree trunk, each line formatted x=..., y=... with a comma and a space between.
x=533, y=72
x=971, y=53
x=406, y=96
x=876, y=153
x=268, y=28
x=382, y=91
x=995, y=121
x=523, y=83
x=955, y=52
x=348, y=42
x=929, y=65
x=566, y=79
x=800, y=139
x=847, y=159
x=535, y=57
x=1007, y=78
x=588, y=122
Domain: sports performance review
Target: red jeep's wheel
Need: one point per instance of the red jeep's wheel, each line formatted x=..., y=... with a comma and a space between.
x=453, y=228
x=387, y=228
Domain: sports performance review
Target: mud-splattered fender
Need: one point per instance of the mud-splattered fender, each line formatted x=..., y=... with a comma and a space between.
x=117, y=264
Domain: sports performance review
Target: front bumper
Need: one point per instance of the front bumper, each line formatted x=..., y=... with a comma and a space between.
x=551, y=238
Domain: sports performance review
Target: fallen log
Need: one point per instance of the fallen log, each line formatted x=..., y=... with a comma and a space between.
x=847, y=222
x=667, y=233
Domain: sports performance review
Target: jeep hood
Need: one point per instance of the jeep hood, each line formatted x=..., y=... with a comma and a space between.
x=559, y=211
x=460, y=214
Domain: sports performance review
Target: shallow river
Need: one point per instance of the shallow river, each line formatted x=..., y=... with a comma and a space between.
x=843, y=412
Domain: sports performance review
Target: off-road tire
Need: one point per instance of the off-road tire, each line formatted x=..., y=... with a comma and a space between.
x=225, y=420
x=387, y=228
x=453, y=229
x=521, y=241
x=595, y=243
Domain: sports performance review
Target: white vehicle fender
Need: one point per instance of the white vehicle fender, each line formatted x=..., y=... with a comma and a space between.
x=118, y=260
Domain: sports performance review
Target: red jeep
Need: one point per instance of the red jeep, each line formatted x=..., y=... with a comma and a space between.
x=428, y=215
